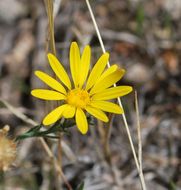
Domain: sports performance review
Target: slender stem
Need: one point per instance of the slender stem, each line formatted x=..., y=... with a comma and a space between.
x=107, y=152
x=51, y=37
x=138, y=131
x=55, y=162
x=60, y=150
x=119, y=100
x=49, y=9
x=44, y=144
x=50, y=45
x=139, y=140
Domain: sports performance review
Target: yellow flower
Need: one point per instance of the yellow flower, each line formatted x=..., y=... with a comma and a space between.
x=89, y=92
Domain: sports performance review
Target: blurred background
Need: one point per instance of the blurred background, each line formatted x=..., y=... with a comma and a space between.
x=143, y=37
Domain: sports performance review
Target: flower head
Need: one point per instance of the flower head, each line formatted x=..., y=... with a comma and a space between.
x=7, y=149
x=88, y=91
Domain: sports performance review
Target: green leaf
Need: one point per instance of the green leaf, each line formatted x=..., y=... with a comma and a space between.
x=35, y=132
x=172, y=186
x=80, y=186
x=51, y=131
x=30, y=133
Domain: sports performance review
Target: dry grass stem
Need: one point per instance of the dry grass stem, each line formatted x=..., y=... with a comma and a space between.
x=44, y=144
x=119, y=100
x=107, y=151
x=51, y=38
x=60, y=150
x=139, y=141
x=138, y=132
x=55, y=163
x=17, y=113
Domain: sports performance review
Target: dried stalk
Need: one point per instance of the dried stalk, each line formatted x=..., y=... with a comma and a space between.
x=51, y=37
x=55, y=163
x=106, y=146
x=44, y=144
x=139, y=140
x=119, y=100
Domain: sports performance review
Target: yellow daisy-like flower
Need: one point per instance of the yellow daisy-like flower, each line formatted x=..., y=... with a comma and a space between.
x=89, y=92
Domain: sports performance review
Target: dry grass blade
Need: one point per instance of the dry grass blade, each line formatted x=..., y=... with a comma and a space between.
x=65, y=147
x=51, y=39
x=56, y=7
x=139, y=140
x=18, y=114
x=138, y=131
x=119, y=100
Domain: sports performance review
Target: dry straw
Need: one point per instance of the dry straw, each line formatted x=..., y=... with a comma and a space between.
x=119, y=101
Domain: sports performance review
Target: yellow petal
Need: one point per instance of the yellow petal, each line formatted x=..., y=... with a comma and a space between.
x=69, y=111
x=108, y=81
x=59, y=70
x=54, y=115
x=107, y=106
x=47, y=94
x=84, y=65
x=97, y=113
x=109, y=71
x=112, y=93
x=75, y=62
x=81, y=121
x=51, y=82
x=97, y=70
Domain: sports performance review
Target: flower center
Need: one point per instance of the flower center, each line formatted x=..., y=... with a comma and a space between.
x=78, y=98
